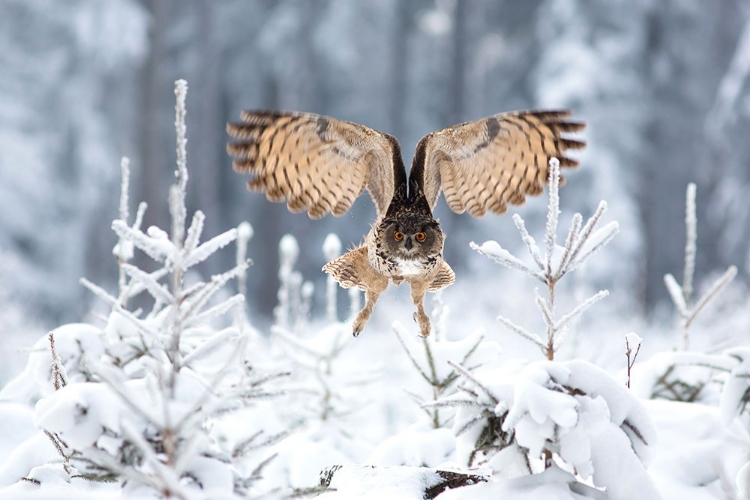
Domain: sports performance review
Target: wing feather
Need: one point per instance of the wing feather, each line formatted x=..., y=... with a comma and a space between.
x=315, y=163
x=488, y=164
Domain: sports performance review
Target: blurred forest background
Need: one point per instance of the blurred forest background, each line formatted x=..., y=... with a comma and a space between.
x=663, y=84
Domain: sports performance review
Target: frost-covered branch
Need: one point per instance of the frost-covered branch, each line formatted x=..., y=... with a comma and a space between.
x=553, y=212
x=691, y=226
x=682, y=295
x=580, y=308
x=533, y=337
x=59, y=378
x=632, y=341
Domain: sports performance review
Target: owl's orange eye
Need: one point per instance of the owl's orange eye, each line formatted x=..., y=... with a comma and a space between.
x=420, y=236
x=398, y=235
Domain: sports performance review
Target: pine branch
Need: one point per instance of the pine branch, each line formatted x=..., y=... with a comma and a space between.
x=676, y=294
x=142, y=206
x=529, y=241
x=59, y=378
x=194, y=232
x=177, y=193
x=217, y=310
x=244, y=234
x=545, y=310
x=166, y=475
x=209, y=346
x=691, y=225
x=112, y=301
x=398, y=330
x=476, y=382
x=580, y=308
x=204, y=294
x=124, y=188
x=473, y=349
x=589, y=227
x=718, y=285
x=593, y=243
x=497, y=253
x=147, y=281
x=479, y=417
x=208, y=248
x=570, y=244
x=521, y=331
x=553, y=212
x=136, y=287
x=155, y=249
x=456, y=403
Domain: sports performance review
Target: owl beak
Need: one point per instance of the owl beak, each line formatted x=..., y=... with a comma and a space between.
x=408, y=243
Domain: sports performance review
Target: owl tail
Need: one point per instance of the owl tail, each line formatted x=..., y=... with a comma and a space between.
x=351, y=269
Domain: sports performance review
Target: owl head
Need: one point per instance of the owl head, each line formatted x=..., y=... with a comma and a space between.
x=411, y=236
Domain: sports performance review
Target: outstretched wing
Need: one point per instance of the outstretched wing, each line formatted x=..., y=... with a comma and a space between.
x=495, y=161
x=315, y=163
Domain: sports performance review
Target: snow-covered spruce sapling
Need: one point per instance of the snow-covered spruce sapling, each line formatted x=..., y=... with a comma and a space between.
x=523, y=418
x=510, y=417
x=433, y=357
x=682, y=296
x=141, y=412
x=580, y=244
x=677, y=380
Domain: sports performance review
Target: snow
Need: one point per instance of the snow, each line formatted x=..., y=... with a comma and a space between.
x=419, y=445
x=370, y=483
x=633, y=341
x=552, y=484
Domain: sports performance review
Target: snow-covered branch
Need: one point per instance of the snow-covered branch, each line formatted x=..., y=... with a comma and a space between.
x=682, y=295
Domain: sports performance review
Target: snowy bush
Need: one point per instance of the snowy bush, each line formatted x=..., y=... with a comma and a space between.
x=136, y=401
x=508, y=418
x=523, y=418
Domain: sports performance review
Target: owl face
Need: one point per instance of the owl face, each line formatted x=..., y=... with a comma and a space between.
x=410, y=238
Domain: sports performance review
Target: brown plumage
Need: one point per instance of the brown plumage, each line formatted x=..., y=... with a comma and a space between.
x=319, y=165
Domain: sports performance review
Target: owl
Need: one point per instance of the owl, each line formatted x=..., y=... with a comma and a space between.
x=320, y=164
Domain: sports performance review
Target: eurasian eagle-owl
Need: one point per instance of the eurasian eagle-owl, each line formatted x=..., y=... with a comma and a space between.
x=319, y=164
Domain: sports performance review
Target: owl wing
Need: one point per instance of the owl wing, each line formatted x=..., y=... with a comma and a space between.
x=495, y=161
x=315, y=163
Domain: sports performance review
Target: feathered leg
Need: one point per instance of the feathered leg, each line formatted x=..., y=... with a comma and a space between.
x=418, y=291
x=353, y=269
x=372, y=294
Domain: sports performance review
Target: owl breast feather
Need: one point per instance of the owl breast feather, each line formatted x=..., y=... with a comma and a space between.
x=410, y=267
